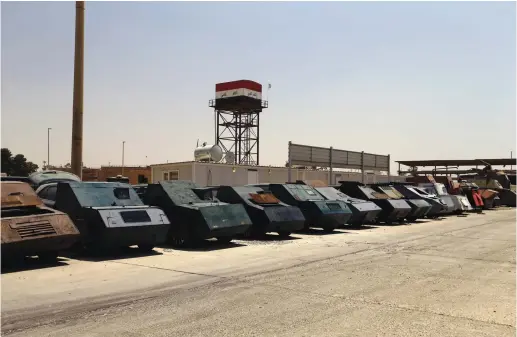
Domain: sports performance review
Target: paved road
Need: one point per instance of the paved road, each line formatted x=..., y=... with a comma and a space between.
x=454, y=277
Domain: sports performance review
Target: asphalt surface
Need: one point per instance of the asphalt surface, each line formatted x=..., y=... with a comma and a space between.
x=454, y=277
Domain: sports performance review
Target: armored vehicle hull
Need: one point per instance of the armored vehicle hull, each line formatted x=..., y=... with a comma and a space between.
x=419, y=205
x=419, y=209
x=193, y=219
x=267, y=213
x=318, y=212
x=392, y=210
x=110, y=215
x=489, y=197
x=29, y=228
x=473, y=194
x=363, y=211
x=463, y=202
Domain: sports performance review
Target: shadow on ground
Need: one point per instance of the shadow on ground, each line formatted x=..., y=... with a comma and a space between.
x=122, y=253
x=30, y=263
x=318, y=231
x=270, y=237
x=202, y=246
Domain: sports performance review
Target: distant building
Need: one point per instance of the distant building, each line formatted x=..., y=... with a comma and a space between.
x=136, y=174
x=215, y=174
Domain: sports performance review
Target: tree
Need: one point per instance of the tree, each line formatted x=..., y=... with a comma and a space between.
x=17, y=165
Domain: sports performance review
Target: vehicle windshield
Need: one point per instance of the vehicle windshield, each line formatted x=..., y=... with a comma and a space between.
x=332, y=193
x=424, y=191
x=391, y=192
x=303, y=192
x=180, y=192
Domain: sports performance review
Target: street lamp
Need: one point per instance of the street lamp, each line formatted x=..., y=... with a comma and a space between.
x=48, y=146
x=123, y=143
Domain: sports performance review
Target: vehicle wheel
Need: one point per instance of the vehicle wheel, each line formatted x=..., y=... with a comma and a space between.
x=328, y=229
x=284, y=234
x=224, y=239
x=48, y=257
x=178, y=241
x=249, y=233
x=146, y=248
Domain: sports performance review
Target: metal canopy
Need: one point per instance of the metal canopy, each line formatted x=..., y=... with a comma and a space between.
x=458, y=162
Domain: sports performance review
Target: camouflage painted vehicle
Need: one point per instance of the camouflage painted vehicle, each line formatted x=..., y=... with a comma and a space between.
x=111, y=215
x=193, y=219
x=30, y=228
x=267, y=213
x=318, y=212
x=392, y=209
x=421, y=205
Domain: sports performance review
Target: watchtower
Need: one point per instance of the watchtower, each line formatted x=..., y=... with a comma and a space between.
x=238, y=105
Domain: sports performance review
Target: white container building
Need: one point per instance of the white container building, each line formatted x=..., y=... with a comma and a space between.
x=215, y=174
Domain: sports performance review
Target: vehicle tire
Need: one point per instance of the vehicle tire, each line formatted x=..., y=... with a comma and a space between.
x=306, y=226
x=224, y=239
x=328, y=229
x=48, y=257
x=249, y=233
x=146, y=248
x=178, y=241
x=284, y=234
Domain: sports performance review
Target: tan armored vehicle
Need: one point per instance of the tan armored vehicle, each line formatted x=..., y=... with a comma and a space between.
x=30, y=228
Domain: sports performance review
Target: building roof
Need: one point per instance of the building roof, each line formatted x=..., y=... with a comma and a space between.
x=458, y=162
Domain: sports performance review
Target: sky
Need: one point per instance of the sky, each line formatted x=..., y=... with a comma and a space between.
x=416, y=80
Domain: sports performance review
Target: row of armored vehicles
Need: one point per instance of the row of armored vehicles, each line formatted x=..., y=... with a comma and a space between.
x=53, y=211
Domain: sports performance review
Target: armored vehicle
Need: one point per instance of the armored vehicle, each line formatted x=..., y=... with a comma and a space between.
x=29, y=228
x=492, y=182
x=140, y=189
x=16, y=178
x=420, y=205
x=473, y=193
x=194, y=219
x=392, y=209
x=318, y=212
x=267, y=213
x=111, y=215
x=363, y=211
x=460, y=203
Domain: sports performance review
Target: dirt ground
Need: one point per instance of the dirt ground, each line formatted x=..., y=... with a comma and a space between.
x=451, y=277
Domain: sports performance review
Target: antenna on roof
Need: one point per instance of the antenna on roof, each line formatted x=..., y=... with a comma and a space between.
x=197, y=143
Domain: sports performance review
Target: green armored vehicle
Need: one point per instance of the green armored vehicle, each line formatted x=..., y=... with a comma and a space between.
x=193, y=219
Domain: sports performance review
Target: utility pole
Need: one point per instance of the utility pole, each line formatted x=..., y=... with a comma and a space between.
x=123, y=143
x=77, y=119
x=48, y=146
